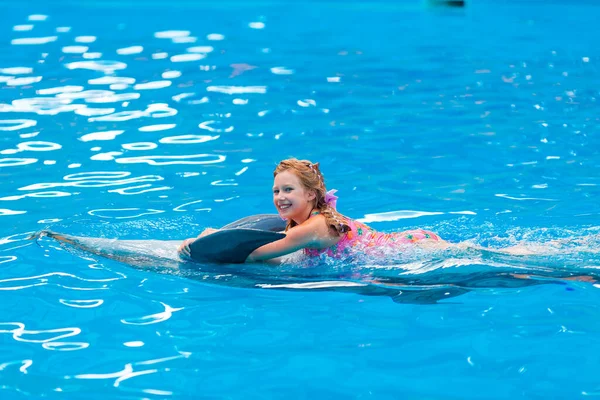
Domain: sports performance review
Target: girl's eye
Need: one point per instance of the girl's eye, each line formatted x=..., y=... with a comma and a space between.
x=275, y=191
x=288, y=189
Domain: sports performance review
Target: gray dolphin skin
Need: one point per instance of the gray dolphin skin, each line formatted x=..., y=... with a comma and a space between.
x=264, y=222
x=217, y=259
x=162, y=257
x=232, y=244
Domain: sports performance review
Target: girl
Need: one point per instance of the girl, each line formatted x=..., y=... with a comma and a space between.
x=314, y=224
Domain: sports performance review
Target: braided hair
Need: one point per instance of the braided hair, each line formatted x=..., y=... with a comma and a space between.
x=312, y=179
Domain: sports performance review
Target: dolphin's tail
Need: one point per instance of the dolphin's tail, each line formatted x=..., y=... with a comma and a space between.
x=56, y=236
x=35, y=236
x=137, y=253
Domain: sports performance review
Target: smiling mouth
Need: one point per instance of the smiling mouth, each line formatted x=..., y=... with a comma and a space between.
x=284, y=207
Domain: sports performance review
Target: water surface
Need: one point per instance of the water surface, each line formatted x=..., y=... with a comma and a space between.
x=153, y=120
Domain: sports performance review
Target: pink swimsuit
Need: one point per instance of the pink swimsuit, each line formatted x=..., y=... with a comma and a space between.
x=361, y=237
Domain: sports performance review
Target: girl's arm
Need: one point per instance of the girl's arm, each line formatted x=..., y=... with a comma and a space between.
x=295, y=239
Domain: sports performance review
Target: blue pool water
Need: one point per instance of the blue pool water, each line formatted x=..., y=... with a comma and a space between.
x=155, y=119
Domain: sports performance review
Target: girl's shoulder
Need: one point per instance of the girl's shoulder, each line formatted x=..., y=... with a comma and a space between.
x=316, y=226
x=316, y=220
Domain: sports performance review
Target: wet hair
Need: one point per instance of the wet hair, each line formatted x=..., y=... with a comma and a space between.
x=312, y=179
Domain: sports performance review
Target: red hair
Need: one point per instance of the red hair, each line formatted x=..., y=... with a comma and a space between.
x=311, y=178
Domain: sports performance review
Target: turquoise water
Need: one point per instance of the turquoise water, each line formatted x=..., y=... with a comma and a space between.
x=154, y=120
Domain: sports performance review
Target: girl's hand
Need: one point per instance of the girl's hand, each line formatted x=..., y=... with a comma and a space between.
x=184, y=248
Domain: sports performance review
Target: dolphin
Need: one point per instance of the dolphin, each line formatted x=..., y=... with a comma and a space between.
x=220, y=255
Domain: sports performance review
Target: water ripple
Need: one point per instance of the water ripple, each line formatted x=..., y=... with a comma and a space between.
x=171, y=34
x=130, y=50
x=110, y=80
x=186, y=39
x=120, y=116
x=85, y=39
x=139, y=146
x=237, y=89
x=81, y=176
x=92, y=112
x=16, y=162
x=41, y=280
x=180, y=207
x=82, y=303
x=15, y=238
x=523, y=198
x=108, y=156
x=207, y=125
x=5, y=259
x=187, y=57
x=41, y=105
x=154, y=318
x=156, y=127
x=44, y=336
x=133, y=190
x=256, y=25
x=38, y=146
x=200, y=49
x=215, y=37
x=47, y=194
x=16, y=124
x=99, y=96
x=105, y=135
x=24, y=364
x=282, y=71
x=65, y=346
x=171, y=74
x=37, y=17
x=16, y=70
x=60, y=89
x=128, y=372
x=188, y=139
x=34, y=40
x=160, y=56
x=22, y=28
x=89, y=180
x=173, y=160
x=106, y=66
x=135, y=343
x=23, y=81
x=158, y=110
x=75, y=49
x=110, y=213
x=153, y=85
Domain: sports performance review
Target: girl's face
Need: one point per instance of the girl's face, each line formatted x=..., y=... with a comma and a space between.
x=291, y=199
